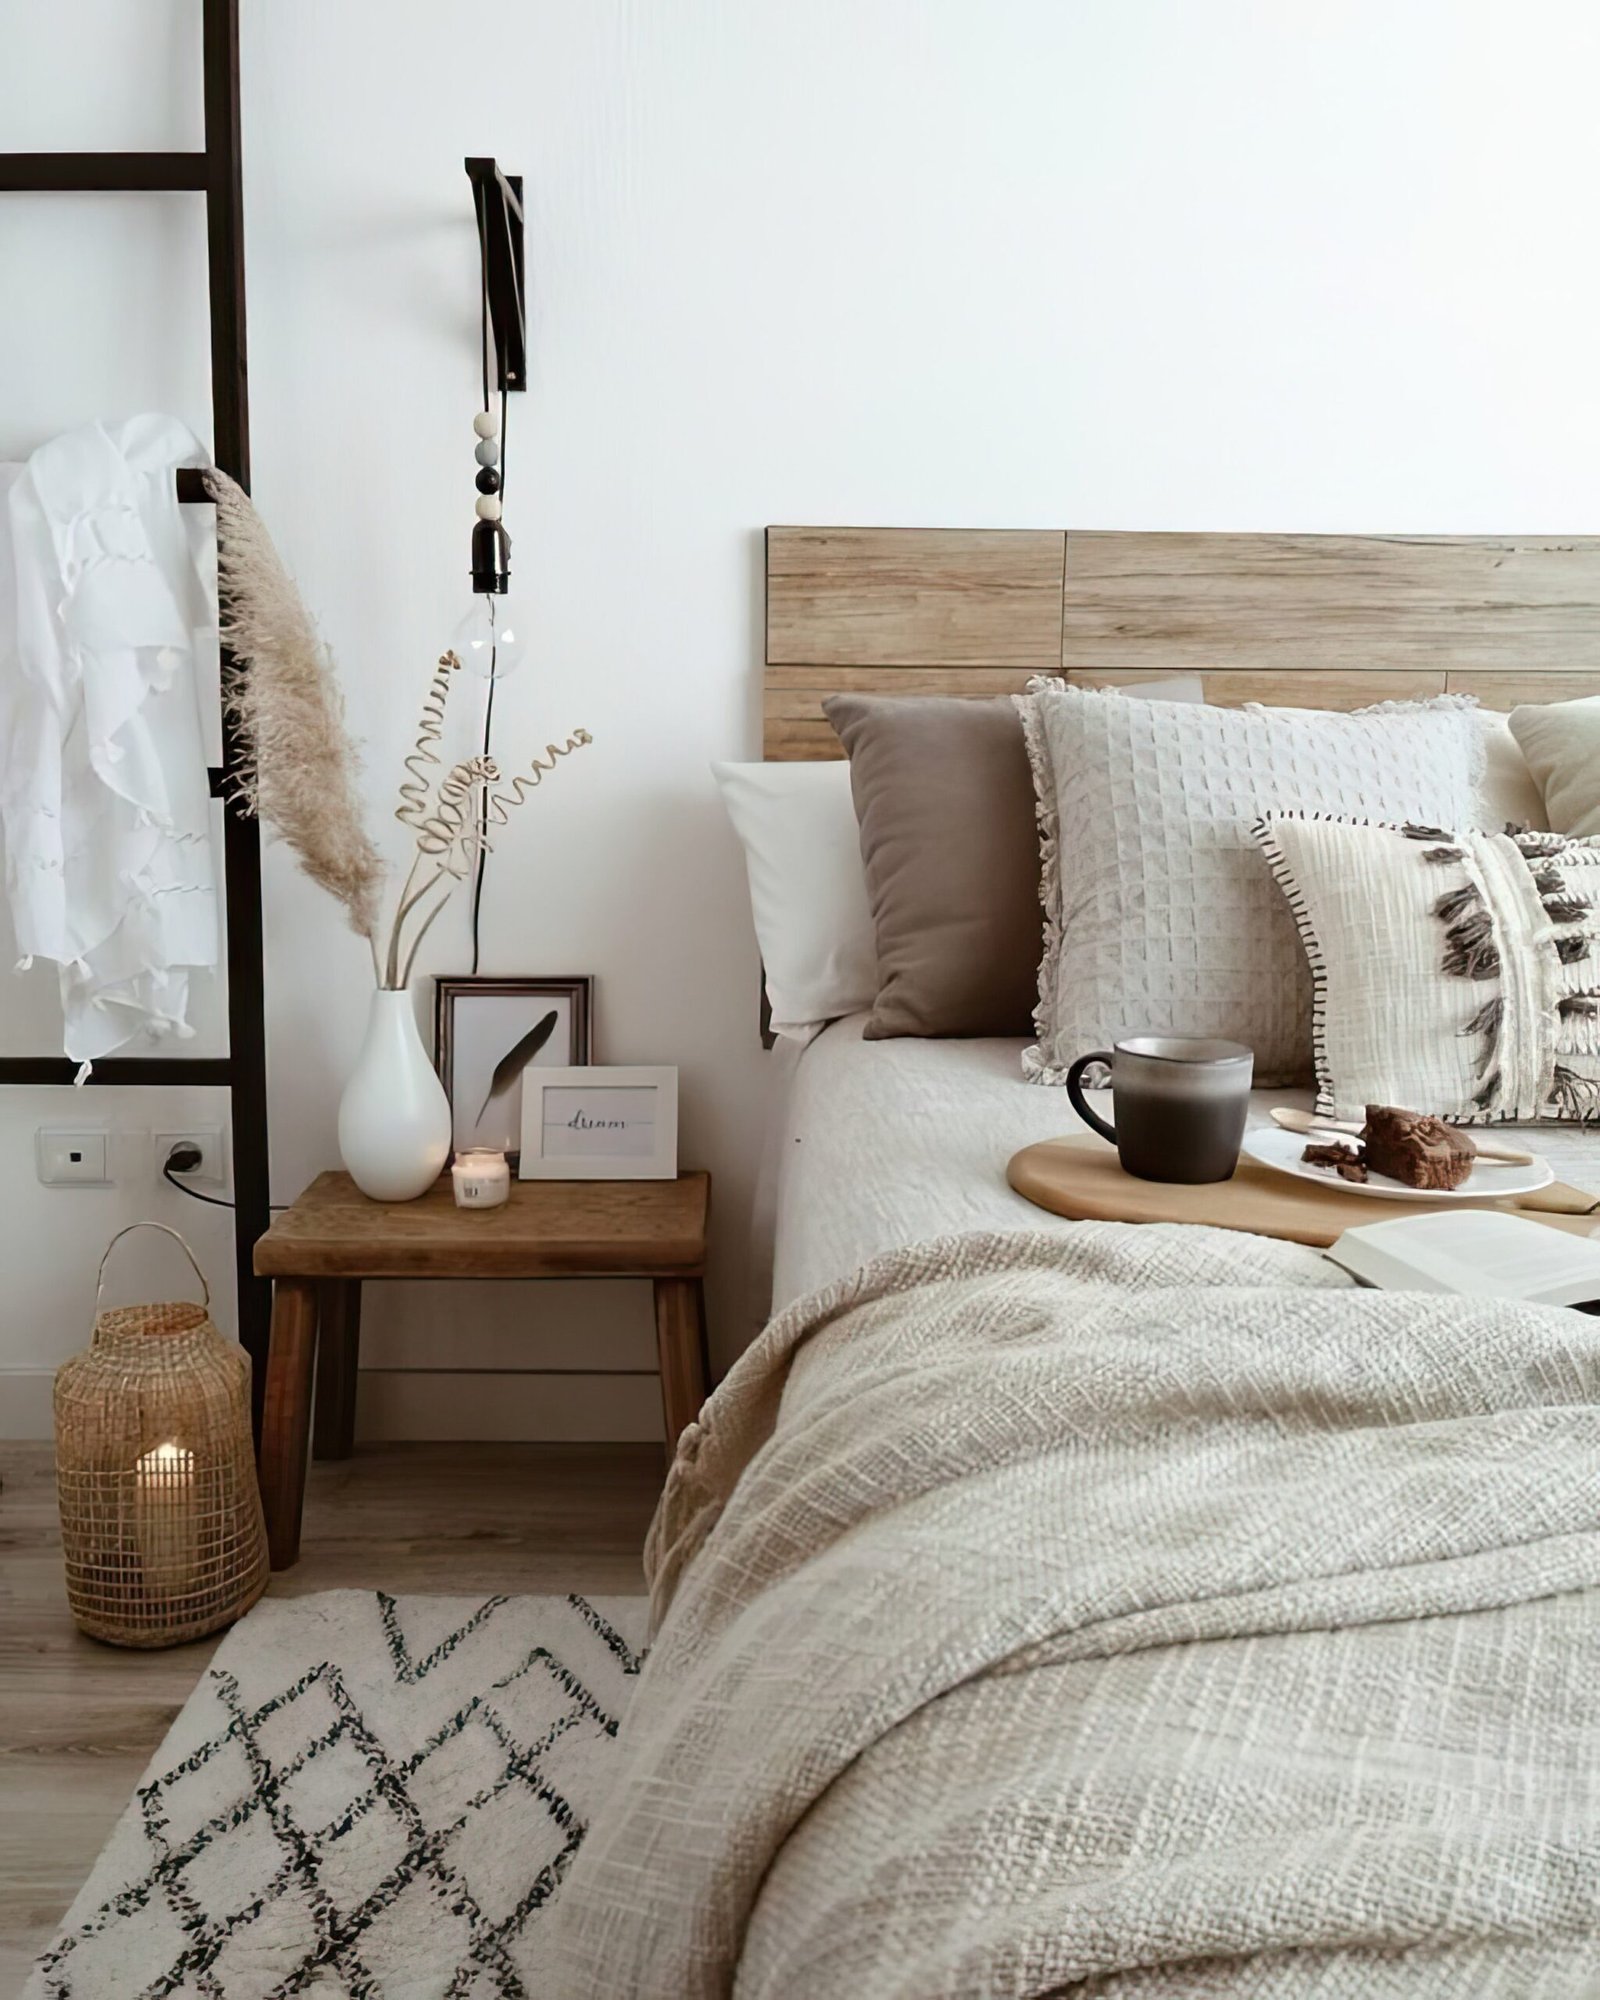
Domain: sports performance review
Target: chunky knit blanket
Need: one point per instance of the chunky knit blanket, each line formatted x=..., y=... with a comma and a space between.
x=1125, y=1611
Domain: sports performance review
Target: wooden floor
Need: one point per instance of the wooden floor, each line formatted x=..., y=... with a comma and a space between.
x=79, y=1721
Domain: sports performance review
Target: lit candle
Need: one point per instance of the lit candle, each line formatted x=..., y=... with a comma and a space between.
x=164, y=1517
x=481, y=1178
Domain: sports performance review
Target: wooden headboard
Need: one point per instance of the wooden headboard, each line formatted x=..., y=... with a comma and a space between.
x=1308, y=621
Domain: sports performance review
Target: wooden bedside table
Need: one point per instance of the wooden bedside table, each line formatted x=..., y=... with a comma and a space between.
x=319, y=1251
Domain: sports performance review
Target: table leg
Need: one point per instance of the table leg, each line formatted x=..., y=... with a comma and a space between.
x=680, y=1352
x=286, y=1417
x=333, y=1422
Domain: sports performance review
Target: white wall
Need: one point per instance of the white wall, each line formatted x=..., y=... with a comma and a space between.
x=1136, y=263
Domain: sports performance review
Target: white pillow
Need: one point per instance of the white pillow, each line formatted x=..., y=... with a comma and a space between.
x=1175, y=687
x=808, y=890
x=1455, y=973
x=1160, y=914
x=808, y=885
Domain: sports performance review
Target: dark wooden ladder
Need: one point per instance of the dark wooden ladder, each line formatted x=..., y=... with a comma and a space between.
x=215, y=173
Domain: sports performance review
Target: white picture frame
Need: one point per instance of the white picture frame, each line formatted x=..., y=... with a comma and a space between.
x=599, y=1122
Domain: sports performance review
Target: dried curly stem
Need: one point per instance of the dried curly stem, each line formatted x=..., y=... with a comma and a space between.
x=416, y=789
x=422, y=931
x=456, y=833
x=448, y=837
x=499, y=803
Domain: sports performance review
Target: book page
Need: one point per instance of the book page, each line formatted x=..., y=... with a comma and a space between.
x=1474, y=1251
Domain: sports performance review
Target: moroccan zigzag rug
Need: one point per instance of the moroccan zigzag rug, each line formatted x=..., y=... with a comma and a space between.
x=366, y=1796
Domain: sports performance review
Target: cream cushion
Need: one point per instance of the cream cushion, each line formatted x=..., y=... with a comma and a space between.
x=1561, y=742
x=1509, y=795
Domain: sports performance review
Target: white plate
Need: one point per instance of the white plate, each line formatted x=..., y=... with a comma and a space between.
x=1274, y=1147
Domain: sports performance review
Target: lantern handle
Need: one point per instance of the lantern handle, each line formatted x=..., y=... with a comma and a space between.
x=194, y=1265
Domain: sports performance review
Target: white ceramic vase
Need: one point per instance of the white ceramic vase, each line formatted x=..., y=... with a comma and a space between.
x=394, y=1118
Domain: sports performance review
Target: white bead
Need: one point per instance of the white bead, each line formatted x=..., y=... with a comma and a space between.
x=486, y=424
x=487, y=452
x=488, y=507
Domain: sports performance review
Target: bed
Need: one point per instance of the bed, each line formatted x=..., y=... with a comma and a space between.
x=882, y=1144
x=1050, y=1607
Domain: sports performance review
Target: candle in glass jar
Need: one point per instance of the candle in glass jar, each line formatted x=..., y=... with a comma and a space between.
x=164, y=1516
x=481, y=1178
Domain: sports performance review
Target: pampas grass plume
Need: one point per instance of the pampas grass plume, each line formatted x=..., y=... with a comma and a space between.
x=299, y=768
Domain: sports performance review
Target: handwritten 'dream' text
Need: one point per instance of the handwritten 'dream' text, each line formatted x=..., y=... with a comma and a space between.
x=596, y=1121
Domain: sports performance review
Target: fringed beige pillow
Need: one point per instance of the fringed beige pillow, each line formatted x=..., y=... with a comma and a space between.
x=1457, y=974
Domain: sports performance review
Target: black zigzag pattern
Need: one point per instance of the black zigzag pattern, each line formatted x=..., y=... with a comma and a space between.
x=330, y=1935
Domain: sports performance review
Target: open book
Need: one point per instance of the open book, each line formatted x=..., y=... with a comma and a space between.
x=1479, y=1253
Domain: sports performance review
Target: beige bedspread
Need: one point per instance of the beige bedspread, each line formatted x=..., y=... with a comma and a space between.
x=1124, y=1611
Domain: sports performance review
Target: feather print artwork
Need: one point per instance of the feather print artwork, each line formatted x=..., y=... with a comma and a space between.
x=515, y=1060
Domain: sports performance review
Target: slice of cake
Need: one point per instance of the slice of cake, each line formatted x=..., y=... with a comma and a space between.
x=1345, y=1161
x=1418, y=1151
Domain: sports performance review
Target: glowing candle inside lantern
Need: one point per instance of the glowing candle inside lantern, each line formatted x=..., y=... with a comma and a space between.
x=164, y=1516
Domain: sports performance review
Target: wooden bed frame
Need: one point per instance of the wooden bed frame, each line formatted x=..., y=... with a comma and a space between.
x=1308, y=621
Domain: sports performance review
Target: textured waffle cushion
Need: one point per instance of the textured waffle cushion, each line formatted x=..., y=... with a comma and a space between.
x=950, y=848
x=1454, y=974
x=1161, y=915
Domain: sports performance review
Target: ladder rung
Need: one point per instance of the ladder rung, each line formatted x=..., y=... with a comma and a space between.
x=107, y=173
x=118, y=1069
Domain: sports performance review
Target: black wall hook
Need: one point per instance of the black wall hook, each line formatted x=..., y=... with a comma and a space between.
x=497, y=198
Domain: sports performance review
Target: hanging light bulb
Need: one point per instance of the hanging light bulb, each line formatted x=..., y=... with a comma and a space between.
x=490, y=641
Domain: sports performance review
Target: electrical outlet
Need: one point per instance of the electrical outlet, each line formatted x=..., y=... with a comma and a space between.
x=71, y=1159
x=207, y=1139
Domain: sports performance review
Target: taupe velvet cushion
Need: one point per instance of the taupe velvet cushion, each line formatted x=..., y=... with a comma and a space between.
x=944, y=796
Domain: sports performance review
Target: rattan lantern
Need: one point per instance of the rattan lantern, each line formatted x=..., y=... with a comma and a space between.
x=160, y=1513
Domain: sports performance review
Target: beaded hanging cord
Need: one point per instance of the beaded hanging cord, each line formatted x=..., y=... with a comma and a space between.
x=491, y=480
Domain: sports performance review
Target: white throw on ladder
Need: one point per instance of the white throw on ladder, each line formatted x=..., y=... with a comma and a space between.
x=104, y=794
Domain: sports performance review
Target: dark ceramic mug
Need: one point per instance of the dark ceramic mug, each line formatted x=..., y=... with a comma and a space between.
x=1179, y=1105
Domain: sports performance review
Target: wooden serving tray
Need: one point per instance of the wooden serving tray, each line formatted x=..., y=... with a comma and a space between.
x=1080, y=1177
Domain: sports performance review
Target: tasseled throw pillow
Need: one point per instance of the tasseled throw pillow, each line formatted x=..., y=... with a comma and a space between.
x=1452, y=973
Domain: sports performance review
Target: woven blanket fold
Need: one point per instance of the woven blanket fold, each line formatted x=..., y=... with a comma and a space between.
x=1126, y=1611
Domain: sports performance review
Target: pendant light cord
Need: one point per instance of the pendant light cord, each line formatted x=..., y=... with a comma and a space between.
x=488, y=703
x=483, y=832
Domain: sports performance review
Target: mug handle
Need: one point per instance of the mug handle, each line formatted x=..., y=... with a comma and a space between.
x=1075, y=1096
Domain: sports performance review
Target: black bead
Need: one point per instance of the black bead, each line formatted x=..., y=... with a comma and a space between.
x=488, y=479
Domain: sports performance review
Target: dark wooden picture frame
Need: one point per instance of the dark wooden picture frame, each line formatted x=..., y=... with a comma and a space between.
x=452, y=1055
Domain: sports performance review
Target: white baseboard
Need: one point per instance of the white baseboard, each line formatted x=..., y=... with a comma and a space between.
x=25, y=1406
x=494, y=1407
x=395, y=1404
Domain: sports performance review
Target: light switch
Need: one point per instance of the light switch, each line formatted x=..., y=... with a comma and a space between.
x=71, y=1159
